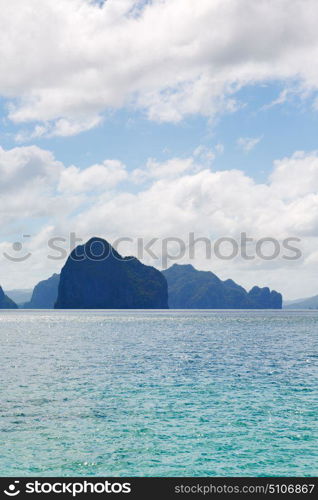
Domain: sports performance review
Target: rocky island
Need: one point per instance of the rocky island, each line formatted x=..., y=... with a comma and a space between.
x=44, y=294
x=193, y=289
x=96, y=276
x=6, y=302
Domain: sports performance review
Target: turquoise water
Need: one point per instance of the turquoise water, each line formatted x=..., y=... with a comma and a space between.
x=170, y=393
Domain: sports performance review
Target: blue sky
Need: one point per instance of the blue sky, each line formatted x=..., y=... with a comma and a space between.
x=160, y=118
x=131, y=137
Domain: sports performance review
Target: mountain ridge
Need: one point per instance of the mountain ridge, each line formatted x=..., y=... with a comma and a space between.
x=190, y=288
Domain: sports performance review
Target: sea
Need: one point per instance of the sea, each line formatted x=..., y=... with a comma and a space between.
x=159, y=393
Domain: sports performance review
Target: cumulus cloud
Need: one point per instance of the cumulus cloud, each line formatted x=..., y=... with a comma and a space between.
x=28, y=178
x=179, y=197
x=64, y=63
x=174, y=167
x=36, y=185
x=167, y=170
x=296, y=176
x=95, y=178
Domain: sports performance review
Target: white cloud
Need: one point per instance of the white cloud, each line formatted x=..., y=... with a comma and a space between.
x=61, y=128
x=64, y=63
x=95, y=178
x=28, y=176
x=168, y=170
x=281, y=99
x=35, y=185
x=208, y=154
x=296, y=176
x=180, y=196
x=204, y=153
x=248, y=143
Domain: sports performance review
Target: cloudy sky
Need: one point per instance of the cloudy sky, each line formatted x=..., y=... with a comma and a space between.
x=155, y=119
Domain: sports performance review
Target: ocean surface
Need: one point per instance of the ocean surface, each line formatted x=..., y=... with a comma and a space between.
x=163, y=393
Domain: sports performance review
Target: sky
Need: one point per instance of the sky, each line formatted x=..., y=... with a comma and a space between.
x=156, y=120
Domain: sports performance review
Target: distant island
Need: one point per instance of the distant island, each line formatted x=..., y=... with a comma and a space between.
x=44, y=294
x=193, y=289
x=96, y=276
x=6, y=302
x=309, y=303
